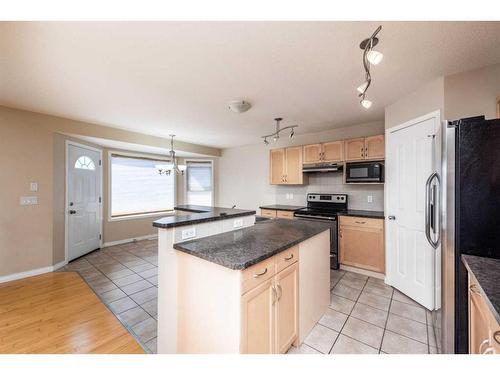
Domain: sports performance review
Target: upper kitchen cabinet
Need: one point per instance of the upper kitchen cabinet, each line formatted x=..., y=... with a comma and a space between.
x=369, y=148
x=286, y=166
x=324, y=152
x=375, y=147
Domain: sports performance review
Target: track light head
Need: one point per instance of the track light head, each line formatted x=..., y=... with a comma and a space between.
x=366, y=103
x=374, y=57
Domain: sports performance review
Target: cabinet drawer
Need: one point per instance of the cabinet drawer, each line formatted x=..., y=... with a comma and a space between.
x=361, y=222
x=267, y=213
x=284, y=214
x=254, y=275
x=286, y=258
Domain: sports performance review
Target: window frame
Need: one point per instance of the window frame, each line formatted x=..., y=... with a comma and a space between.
x=118, y=153
x=211, y=161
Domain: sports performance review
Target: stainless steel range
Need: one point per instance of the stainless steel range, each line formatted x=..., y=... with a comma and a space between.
x=325, y=207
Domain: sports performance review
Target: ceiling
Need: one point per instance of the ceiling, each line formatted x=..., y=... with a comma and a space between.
x=177, y=77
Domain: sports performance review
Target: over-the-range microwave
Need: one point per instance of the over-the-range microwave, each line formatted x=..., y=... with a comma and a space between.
x=364, y=172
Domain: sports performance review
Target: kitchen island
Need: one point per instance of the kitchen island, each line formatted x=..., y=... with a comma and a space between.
x=235, y=288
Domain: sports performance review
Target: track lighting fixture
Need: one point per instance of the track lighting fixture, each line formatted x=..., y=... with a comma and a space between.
x=276, y=134
x=370, y=57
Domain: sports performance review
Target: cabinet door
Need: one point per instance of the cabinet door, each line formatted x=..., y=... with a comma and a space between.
x=277, y=166
x=479, y=329
x=375, y=147
x=267, y=213
x=284, y=214
x=333, y=151
x=354, y=149
x=312, y=153
x=362, y=247
x=293, y=171
x=257, y=319
x=287, y=284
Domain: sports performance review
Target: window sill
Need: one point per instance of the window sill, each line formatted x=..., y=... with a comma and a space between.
x=141, y=216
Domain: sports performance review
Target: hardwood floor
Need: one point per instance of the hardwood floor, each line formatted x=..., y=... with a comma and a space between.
x=58, y=313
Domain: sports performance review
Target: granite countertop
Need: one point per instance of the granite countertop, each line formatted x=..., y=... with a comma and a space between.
x=199, y=214
x=242, y=248
x=363, y=213
x=487, y=273
x=281, y=207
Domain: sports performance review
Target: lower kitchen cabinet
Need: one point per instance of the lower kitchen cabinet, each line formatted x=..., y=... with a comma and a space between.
x=361, y=243
x=269, y=314
x=484, y=331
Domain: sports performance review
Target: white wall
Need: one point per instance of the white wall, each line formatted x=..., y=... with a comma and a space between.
x=425, y=99
x=243, y=173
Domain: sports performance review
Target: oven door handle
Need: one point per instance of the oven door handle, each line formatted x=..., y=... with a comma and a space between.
x=314, y=217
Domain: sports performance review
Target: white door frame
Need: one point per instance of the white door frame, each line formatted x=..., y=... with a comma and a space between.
x=66, y=194
x=432, y=115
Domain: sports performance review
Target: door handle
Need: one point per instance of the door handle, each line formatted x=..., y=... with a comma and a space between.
x=72, y=212
x=392, y=217
x=431, y=207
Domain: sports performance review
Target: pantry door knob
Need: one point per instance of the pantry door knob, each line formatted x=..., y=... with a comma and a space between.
x=392, y=217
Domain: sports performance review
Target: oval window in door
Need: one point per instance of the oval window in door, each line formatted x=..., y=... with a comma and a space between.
x=84, y=162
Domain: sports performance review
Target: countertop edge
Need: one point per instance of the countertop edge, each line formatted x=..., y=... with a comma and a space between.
x=492, y=308
x=274, y=207
x=202, y=219
x=243, y=266
x=365, y=215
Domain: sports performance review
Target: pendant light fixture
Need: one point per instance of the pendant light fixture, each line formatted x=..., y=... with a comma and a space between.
x=276, y=135
x=370, y=57
x=173, y=164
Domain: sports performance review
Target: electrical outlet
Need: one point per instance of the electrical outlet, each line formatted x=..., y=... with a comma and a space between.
x=291, y=196
x=34, y=186
x=370, y=198
x=238, y=223
x=188, y=233
x=28, y=201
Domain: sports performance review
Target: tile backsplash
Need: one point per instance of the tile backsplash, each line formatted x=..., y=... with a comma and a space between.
x=333, y=183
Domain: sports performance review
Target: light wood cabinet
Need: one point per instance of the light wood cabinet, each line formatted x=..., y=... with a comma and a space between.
x=361, y=243
x=369, y=148
x=257, y=320
x=269, y=311
x=312, y=153
x=286, y=166
x=354, y=149
x=484, y=330
x=276, y=213
x=324, y=152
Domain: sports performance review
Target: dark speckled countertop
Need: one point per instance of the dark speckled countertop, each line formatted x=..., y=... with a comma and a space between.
x=242, y=248
x=199, y=214
x=363, y=213
x=281, y=207
x=487, y=273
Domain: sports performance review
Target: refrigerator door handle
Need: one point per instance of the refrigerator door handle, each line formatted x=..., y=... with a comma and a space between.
x=431, y=209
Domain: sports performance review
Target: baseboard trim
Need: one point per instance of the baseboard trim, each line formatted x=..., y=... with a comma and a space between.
x=376, y=275
x=127, y=240
x=35, y=272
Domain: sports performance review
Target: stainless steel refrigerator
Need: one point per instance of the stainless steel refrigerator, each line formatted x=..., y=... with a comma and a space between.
x=470, y=220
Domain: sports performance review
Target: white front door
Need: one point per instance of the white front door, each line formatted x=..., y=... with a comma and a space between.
x=83, y=204
x=410, y=160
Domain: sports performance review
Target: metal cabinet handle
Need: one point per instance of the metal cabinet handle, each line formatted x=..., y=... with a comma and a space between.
x=289, y=258
x=275, y=295
x=281, y=292
x=474, y=289
x=485, y=342
x=360, y=222
x=489, y=350
x=260, y=274
x=431, y=208
x=496, y=337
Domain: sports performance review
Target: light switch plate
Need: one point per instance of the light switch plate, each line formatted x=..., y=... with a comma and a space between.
x=188, y=233
x=370, y=198
x=34, y=186
x=28, y=201
x=238, y=223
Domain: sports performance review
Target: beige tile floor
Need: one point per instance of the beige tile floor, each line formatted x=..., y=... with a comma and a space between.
x=125, y=278
x=366, y=316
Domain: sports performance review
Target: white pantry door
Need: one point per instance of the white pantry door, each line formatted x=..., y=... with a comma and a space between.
x=410, y=160
x=84, y=196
